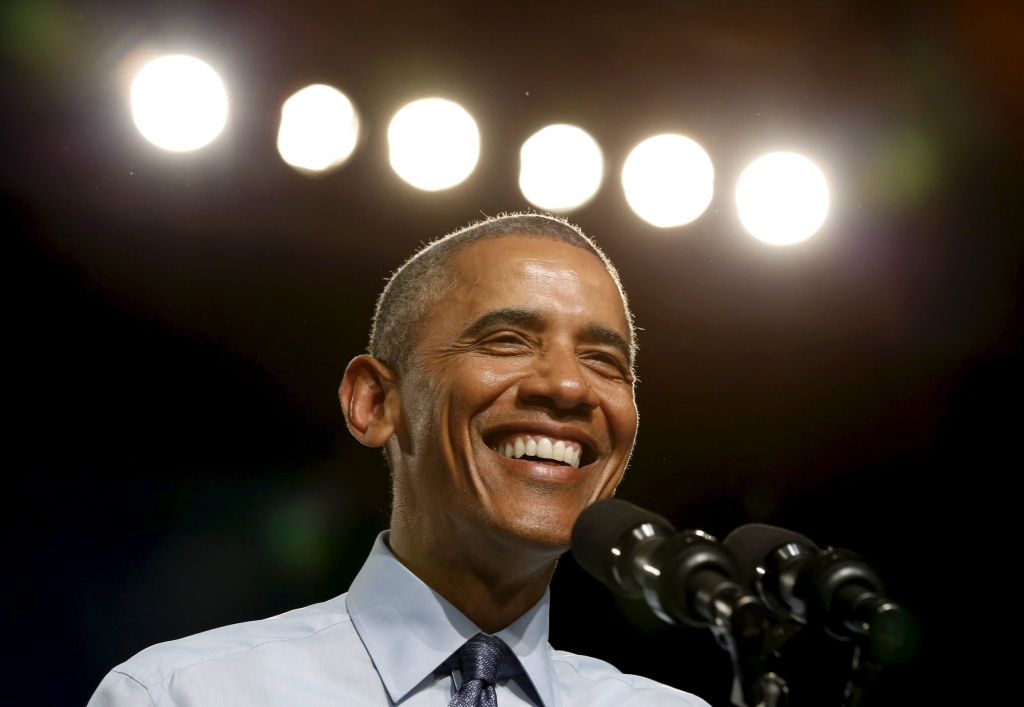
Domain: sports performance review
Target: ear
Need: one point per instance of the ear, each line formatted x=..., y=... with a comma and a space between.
x=370, y=400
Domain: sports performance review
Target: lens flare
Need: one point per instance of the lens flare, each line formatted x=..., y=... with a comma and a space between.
x=782, y=198
x=434, y=143
x=561, y=168
x=669, y=180
x=319, y=128
x=179, y=103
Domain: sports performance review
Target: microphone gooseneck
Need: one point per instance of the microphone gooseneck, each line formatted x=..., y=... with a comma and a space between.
x=686, y=577
x=754, y=591
x=832, y=588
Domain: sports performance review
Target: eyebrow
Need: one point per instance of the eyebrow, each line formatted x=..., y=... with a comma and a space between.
x=604, y=335
x=511, y=316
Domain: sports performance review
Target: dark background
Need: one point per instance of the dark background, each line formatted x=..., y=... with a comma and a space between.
x=177, y=324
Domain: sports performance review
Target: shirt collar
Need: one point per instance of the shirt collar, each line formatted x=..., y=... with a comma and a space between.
x=409, y=629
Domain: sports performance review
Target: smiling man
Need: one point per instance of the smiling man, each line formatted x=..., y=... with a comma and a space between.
x=499, y=383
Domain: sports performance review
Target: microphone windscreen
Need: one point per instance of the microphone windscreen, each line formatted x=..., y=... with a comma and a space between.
x=752, y=543
x=600, y=527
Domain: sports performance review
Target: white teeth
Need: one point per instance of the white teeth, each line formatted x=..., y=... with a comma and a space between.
x=544, y=450
x=558, y=452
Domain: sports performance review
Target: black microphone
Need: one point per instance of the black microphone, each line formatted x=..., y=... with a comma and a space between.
x=833, y=588
x=687, y=577
x=640, y=554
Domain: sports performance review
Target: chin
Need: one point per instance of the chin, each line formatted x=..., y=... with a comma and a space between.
x=544, y=532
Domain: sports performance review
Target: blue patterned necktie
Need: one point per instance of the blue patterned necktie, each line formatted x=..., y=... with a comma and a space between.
x=482, y=659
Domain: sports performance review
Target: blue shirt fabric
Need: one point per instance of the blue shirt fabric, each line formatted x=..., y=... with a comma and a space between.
x=390, y=640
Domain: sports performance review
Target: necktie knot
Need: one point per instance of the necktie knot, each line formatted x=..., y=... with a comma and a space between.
x=482, y=658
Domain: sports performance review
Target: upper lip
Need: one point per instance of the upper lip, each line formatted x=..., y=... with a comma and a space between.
x=552, y=429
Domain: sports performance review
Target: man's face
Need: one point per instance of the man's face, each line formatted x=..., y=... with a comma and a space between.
x=518, y=406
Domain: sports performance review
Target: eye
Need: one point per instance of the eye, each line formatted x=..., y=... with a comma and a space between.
x=607, y=365
x=505, y=342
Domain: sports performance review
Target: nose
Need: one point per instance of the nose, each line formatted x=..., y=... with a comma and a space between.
x=559, y=382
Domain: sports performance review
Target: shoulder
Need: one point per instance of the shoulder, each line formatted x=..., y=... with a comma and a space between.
x=592, y=681
x=242, y=643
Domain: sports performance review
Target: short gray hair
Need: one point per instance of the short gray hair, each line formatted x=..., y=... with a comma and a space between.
x=425, y=278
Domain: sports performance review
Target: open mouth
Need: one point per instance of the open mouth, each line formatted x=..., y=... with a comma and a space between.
x=542, y=449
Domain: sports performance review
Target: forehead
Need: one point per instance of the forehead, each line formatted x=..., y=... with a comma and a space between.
x=557, y=279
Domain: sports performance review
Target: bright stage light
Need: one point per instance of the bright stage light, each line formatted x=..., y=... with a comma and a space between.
x=782, y=198
x=669, y=180
x=561, y=168
x=434, y=143
x=179, y=103
x=318, y=130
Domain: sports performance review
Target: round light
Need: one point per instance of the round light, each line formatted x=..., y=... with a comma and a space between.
x=782, y=198
x=561, y=168
x=318, y=130
x=434, y=143
x=179, y=103
x=669, y=180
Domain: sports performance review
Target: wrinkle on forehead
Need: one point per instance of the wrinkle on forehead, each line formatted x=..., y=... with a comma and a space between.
x=511, y=272
x=531, y=272
x=528, y=272
x=547, y=269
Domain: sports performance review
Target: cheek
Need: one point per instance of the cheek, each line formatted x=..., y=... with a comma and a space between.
x=475, y=385
x=621, y=412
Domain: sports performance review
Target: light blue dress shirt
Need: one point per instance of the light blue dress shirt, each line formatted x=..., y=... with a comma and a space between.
x=390, y=640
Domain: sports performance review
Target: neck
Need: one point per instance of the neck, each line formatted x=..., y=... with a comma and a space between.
x=490, y=581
